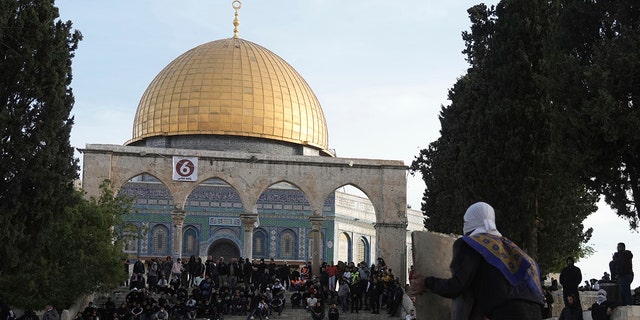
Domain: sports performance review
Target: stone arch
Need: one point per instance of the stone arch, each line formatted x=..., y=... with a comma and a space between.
x=285, y=196
x=360, y=189
x=147, y=189
x=214, y=195
x=384, y=181
x=213, y=188
x=222, y=233
x=224, y=248
x=118, y=183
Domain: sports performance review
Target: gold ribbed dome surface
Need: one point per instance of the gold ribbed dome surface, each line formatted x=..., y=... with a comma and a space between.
x=231, y=87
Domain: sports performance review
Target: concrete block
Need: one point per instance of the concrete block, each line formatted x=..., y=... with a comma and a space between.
x=432, y=254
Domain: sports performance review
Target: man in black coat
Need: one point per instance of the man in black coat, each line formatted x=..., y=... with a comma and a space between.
x=622, y=272
x=570, y=279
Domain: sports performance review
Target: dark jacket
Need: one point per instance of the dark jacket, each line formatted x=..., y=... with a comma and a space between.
x=599, y=311
x=570, y=278
x=491, y=291
x=622, y=263
x=571, y=312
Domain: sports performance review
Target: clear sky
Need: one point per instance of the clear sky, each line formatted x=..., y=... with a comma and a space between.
x=380, y=69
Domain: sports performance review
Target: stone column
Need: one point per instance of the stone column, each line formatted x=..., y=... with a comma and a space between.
x=391, y=238
x=177, y=216
x=316, y=251
x=248, y=224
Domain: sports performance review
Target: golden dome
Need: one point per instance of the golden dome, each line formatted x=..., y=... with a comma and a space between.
x=231, y=87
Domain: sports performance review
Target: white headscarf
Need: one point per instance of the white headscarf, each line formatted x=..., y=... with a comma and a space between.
x=480, y=218
x=601, y=296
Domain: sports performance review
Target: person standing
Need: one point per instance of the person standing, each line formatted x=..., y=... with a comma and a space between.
x=343, y=294
x=192, y=269
x=138, y=267
x=547, y=308
x=483, y=280
x=622, y=272
x=176, y=270
x=167, y=265
x=285, y=275
x=332, y=270
x=127, y=270
x=223, y=272
x=247, y=273
x=570, y=279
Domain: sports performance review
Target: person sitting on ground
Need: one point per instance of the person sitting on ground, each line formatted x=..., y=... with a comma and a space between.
x=296, y=299
x=571, y=311
x=162, y=314
x=334, y=312
x=317, y=311
x=411, y=315
x=311, y=302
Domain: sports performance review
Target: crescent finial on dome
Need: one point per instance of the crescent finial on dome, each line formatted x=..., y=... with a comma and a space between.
x=236, y=22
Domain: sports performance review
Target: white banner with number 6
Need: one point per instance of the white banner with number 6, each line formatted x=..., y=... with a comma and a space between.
x=185, y=169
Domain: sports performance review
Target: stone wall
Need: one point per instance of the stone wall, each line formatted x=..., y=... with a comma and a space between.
x=587, y=298
x=619, y=313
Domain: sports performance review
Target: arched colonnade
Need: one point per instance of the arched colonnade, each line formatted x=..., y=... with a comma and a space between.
x=383, y=181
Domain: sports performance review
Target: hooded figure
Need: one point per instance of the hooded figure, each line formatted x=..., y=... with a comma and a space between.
x=602, y=308
x=571, y=311
x=491, y=276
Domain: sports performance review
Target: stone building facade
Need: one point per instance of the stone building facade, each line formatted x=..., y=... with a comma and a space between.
x=230, y=157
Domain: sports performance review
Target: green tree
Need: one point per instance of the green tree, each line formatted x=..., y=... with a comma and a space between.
x=598, y=91
x=37, y=164
x=497, y=139
x=83, y=254
x=55, y=244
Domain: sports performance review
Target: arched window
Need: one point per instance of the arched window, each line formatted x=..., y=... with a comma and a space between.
x=159, y=240
x=344, y=248
x=190, y=242
x=361, y=251
x=322, y=246
x=130, y=239
x=259, y=244
x=287, y=245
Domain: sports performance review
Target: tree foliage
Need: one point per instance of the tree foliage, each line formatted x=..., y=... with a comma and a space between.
x=597, y=48
x=56, y=245
x=499, y=140
x=82, y=254
x=37, y=164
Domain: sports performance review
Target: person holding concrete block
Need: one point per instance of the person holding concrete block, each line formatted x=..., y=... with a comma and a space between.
x=491, y=277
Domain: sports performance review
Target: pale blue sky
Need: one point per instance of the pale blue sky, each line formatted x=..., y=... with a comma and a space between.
x=380, y=69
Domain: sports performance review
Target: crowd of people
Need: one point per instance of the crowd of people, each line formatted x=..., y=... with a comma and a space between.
x=621, y=276
x=168, y=289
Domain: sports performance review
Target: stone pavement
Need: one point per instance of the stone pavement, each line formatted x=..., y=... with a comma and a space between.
x=302, y=314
